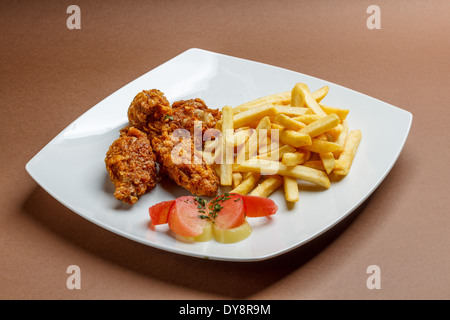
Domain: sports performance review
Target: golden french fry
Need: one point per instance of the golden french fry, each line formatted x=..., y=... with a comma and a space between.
x=241, y=136
x=294, y=138
x=237, y=179
x=314, y=164
x=276, y=154
x=318, y=95
x=275, y=126
x=348, y=154
x=246, y=185
x=341, y=113
x=318, y=164
x=291, y=111
x=307, y=118
x=262, y=130
x=267, y=187
x=321, y=125
x=328, y=161
x=342, y=136
x=300, y=171
x=301, y=96
x=297, y=99
x=288, y=122
x=226, y=167
x=334, y=133
x=323, y=146
x=264, y=123
x=253, y=115
x=248, y=149
x=293, y=158
x=282, y=98
x=290, y=185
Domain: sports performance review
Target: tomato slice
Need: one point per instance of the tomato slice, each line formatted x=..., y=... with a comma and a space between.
x=185, y=217
x=159, y=213
x=259, y=206
x=228, y=211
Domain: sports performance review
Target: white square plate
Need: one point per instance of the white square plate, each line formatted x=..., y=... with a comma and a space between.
x=71, y=167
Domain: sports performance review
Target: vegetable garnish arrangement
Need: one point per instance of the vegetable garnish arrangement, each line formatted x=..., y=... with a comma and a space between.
x=224, y=218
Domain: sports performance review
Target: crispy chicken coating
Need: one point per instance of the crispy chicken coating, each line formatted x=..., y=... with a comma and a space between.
x=131, y=165
x=151, y=113
x=148, y=111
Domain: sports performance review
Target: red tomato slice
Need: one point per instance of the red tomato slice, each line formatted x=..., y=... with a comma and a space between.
x=259, y=206
x=229, y=210
x=159, y=213
x=184, y=217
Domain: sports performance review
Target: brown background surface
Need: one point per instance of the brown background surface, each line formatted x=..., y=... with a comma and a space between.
x=50, y=75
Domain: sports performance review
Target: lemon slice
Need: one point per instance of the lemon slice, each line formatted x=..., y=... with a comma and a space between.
x=206, y=235
x=232, y=235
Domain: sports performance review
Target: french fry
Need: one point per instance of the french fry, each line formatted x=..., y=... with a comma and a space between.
x=342, y=136
x=348, y=154
x=307, y=118
x=297, y=99
x=288, y=122
x=262, y=130
x=290, y=186
x=268, y=186
x=323, y=146
x=334, y=133
x=276, y=126
x=328, y=161
x=341, y=113
x=318, y=95
x=291, y=111
x=293, y=158
x=321, y=125
x=301, y=96
x=252, y=115
x=318, y=164
x=276, y=154
x=294, y=138
x=241, y=136
x=246, y=185
x=282, y=98
x=237, y=179
x=264, y=123
x=226, y=168
x=300, y=172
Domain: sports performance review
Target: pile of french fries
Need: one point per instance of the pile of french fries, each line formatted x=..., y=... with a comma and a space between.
x=275, y=141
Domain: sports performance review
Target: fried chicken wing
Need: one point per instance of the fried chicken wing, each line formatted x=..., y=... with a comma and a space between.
x=151, y=113
x=180, y=161
x=131, y=165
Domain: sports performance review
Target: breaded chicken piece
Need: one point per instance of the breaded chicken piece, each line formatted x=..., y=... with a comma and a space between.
x=181, y=162
x=151, y=113
x=187, y=112
x=131, y=165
